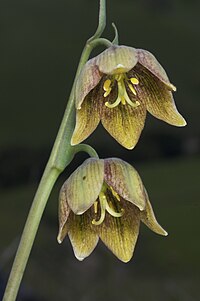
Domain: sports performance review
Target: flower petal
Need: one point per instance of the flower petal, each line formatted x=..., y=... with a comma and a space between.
x=148, y=60
x=125, y=180
x=87, y=118
x=123, y=122
x=82, y=235
x=120, y=234
x=89, y=77
x=157, y=97
x=83, y=186
x=116, y=59
x=148, y=218
x=63, y=214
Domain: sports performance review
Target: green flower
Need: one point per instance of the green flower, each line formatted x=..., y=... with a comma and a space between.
x=118, y=87
x=104, y=199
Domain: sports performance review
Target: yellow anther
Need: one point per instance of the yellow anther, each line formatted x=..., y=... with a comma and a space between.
x=107, y=87
x=95, y=207
x=123, y=97
x=107, y=93
x=103, y=201
x=132, y=89
x=134, y=81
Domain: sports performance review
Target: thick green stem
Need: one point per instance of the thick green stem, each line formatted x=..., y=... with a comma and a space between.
x=61, y=155
x=30, y=230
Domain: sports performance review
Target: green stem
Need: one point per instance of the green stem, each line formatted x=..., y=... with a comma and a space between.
x=102, y=20
x=87, y=149
x=61, y=155
x=116, y=38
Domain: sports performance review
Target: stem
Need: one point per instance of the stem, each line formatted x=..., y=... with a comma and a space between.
x=30, y=230
x=87, y=149
x=102, y=20
x=116, y=38
x=61, y=155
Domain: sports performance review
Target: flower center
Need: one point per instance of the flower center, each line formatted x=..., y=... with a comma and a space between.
x=122, y=93
x=106, y=205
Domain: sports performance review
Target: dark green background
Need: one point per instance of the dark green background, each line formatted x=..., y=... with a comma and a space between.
x=40, y=45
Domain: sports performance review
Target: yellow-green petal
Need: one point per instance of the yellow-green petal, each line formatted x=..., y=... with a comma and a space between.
x=87, y=118
x=148, y=60
x=82, y=235
x=83, y=186
x=88, y=79
x=116, y=59
x=123, y=122
x=148, y=218
x=120, y=234
x=158, y=99
x=125, y=180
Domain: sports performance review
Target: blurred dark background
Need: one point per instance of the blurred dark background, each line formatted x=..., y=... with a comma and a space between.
x=41, y=42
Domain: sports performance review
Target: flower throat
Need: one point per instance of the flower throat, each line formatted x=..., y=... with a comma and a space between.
x=106, y=205
x=122, y=93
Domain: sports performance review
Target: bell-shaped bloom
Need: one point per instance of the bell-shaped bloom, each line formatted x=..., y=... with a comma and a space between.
x=104, y=199
x=118, y=87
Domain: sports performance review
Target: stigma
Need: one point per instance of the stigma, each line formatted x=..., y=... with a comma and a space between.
x=106, y=206
x=123, y=96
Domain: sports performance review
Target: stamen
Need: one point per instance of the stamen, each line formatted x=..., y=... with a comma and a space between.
x=102, y=200
x=105, y=206
x=107, y=84
x=95, y=207
x=134, y=81
x=114, y=193
x=107, y=93
x=132, y=89
x=107, y=87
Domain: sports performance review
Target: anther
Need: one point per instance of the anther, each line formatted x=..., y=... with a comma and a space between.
x=107, y=87
x=95, y=207
x=132, y=89
x=134, y=81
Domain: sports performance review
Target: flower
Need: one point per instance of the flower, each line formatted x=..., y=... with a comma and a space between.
x=118, y=87
x=104, y=199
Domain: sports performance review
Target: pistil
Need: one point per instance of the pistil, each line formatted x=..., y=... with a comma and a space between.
x=122, y=93
x=104, y=206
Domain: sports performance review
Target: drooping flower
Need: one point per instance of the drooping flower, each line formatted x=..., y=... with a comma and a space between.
x=104, y=199
x=118, y=87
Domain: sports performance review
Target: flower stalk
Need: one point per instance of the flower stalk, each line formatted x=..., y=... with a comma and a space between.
x=61, y=155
